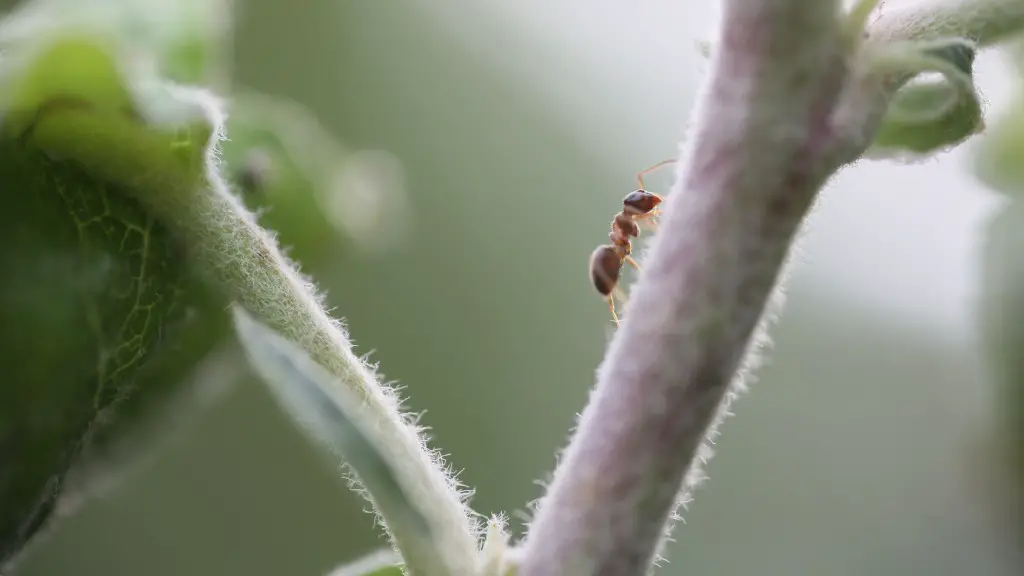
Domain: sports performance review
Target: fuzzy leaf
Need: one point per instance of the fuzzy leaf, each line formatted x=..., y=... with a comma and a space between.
x=96, y=297
x=930, y=115
x=332, y=416
x=186, y=38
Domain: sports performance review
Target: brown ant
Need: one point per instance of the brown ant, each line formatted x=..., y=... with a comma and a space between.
x=606, y=261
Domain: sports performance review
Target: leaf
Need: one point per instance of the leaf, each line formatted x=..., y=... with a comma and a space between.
x=999, y=157
x=97, y=300
x=927, y=116
x=318, y=190
x=333, y=416
x=186, y=38
x=380, y=563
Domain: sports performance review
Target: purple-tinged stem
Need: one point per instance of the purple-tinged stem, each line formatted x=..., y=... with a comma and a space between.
x=759, y=152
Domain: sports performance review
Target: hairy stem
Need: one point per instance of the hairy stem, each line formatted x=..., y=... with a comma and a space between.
x=780, y=113
x=754, y=166
x=245, y=261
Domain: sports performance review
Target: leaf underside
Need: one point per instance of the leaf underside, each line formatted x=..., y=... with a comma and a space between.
x=97, y=301
x=90, y=287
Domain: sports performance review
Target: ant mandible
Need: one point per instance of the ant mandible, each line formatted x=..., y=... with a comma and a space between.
x=606, y=261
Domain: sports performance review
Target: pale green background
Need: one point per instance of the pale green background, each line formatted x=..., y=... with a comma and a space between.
x=860, y=450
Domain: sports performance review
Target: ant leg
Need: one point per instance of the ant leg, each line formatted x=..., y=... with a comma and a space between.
x=632, y=263
x=611, y=306
x=649, y=220
x=640, y=174
x=618, y=293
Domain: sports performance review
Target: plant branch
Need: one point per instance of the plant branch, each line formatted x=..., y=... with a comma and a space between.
x=245, y=261
x=756, y=160
x=788, y=102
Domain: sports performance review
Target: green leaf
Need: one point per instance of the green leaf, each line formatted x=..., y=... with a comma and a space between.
x=91, y=292
x=333, y=416
x=999, y=157
x=380, y=563
x=319, y=191
x=97, y=300
x=927, y=116
x=186, y=39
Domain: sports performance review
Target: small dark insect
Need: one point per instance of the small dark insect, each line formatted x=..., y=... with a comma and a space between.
x=606, y=261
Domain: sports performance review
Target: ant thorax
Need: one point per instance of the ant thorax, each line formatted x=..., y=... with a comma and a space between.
x=625, y=225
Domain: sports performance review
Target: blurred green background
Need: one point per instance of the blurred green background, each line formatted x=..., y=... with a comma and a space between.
x=863, y=448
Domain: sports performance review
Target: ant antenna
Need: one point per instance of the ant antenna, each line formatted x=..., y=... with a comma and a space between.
x=640, y=174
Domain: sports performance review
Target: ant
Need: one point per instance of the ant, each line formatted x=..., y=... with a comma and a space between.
x=606, y=261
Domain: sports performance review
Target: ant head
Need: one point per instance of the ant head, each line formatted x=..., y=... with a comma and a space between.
x=640, y=202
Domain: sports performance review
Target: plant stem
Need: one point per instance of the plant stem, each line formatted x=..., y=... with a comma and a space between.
x=244, y=260
x=780, y=113
x=756, y=162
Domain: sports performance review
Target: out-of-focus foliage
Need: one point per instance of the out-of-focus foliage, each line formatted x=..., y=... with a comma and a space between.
x=1000, y=164
x=317, y=190
x=102, y=318
x=119, y=293
x=485, y=317
x=929, y=115
x=1000, y=152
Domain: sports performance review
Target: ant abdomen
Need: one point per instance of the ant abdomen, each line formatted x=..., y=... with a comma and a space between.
x=605, y=266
